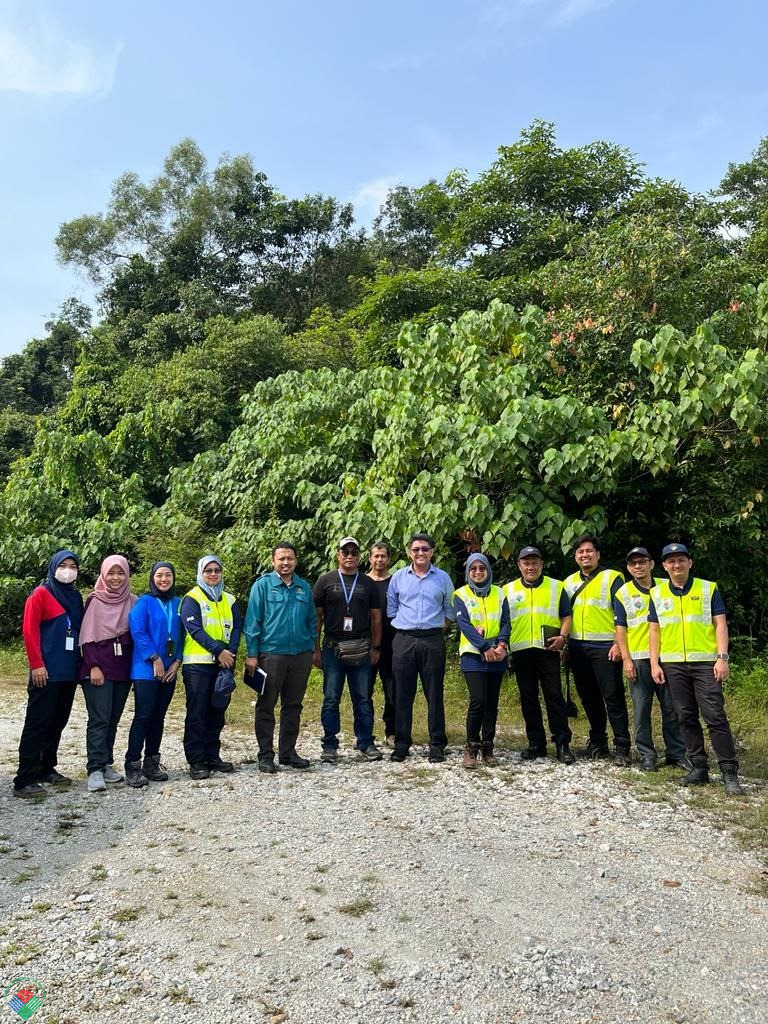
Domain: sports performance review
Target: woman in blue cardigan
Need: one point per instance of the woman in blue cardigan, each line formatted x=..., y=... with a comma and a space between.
x=157, y=637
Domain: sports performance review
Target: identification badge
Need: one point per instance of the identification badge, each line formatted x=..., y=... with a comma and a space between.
x=347, y=627
x=69, y=643
x=169, y=648
x=118, y=648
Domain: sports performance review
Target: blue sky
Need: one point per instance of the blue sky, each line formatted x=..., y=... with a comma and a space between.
x=348, y=99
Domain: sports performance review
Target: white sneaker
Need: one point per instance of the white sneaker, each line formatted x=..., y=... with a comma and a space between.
x=96, y=782
x=110, y=775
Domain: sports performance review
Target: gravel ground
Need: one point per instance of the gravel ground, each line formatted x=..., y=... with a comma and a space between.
x=375, y=893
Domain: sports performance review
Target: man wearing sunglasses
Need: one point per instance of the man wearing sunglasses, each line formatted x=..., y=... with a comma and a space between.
x=420, y=604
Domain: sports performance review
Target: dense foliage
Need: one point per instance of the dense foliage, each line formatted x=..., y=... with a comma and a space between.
x=493, y=361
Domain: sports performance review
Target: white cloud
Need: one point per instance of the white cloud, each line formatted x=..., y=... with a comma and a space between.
x=42, y=60
x=370, y=196
x=550, y=13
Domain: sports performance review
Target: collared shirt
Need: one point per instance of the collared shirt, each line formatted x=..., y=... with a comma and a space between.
x=280, y=619
x=420, y=602
x=718, y=604
x=619, y=611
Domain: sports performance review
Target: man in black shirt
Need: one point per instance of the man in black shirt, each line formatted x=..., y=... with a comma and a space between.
x=380, y=557
x=348, y=609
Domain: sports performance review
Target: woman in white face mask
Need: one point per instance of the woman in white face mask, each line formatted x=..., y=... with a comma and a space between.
x=52, y=616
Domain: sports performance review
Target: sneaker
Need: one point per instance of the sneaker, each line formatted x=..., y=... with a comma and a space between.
x=134, y=776
x=31, y=789
x=622, y=759
x=329, y=755
x=54, y=778
x=531, y=753
x=294, y=760
x=111, y=776
x=371, y=753
x=96, y=783
x=153, y=770
x=198, y=770
x=217, y=765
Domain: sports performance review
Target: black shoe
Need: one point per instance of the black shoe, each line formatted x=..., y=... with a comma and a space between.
x=398, y=755
x=31, y=789
x=731, y=782
x=436, y=756
x=594, y=751
x=622, y=759
x=531, y=753
x=199, y=770
x=648, y=764
x=683, y=763
x=329, y=755
x=565, y=754
x=697, y=776
x=134, y=776
x=54, y=778
x=153, y=770
x=267, y=765
x=295, y=761
x=217, y=765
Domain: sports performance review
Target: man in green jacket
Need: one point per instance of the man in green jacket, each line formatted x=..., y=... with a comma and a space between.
x=280, y=632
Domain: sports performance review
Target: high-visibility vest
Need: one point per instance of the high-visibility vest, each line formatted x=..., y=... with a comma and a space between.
x=593, y=608
x=635, y=604
x=687, y=629
x=217, y=619
x=484, y=613
x=530, y=608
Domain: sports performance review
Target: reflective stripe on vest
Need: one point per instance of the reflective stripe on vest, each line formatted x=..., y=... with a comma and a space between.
x=635, y=604
x=593, y=608
x=484, y=614
x=530, y=608
x=687, y=630
x=217, y=620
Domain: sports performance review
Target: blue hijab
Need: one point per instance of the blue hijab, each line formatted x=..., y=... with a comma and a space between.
x=66, y=594
x=162, y=595
x=481, y=589
x=215, y=591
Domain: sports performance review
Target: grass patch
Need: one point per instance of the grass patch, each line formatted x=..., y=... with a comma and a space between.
x=127, y=914
x=357, y=908
x=376, y=965
x=98, y=873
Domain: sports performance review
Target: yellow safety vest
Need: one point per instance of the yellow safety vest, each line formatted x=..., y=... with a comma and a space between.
x=484, y=613
x=217, y=619
x=530, y=608
x=593, y=608
x=635, y=604
x=686, y=624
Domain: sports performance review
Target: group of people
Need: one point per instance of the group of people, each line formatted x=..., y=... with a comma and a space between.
x=669, y=637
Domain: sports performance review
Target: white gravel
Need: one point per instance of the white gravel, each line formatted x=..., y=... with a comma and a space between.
x=529, y=893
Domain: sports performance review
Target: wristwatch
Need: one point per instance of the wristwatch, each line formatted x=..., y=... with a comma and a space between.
x=724, y=657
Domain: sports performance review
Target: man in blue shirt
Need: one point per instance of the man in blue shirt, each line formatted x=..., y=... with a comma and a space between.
x=420, y=604
x=280, y=632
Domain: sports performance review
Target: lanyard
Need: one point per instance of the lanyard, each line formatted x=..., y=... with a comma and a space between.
x=167, y=607
x=348, y=596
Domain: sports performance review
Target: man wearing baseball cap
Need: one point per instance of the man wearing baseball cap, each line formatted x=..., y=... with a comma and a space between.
x=540, y=620
x=689, y=652
x=630, y=613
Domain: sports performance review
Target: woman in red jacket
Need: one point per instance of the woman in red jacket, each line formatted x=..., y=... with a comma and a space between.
x=52, y=616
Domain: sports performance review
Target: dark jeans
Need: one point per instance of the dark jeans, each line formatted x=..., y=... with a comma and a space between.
x=483, y=710
x=415, y=657
x=534, y=668
x=287, y=676
x=642, y=690
x=600, y=686
x=694, y=689
x=105, y=705
x=151, y=699
x=203, y=722
x=48, y=710
x=358, y=679
x=384, y=672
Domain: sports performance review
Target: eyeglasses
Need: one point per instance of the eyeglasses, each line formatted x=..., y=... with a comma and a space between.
x=211, y=572
x=419, y=551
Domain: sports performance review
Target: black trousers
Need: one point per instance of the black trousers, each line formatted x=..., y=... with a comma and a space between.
x=105, y=705
x=484, y=689
x=287, y=676
x=48, y=710
x=695, y=690
x=415, y=657
x=384, y=671
x=600, y=686
x=203, y=722
x=536, y=668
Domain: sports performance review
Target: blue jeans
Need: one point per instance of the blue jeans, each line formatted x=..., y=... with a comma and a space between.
x=359, y=681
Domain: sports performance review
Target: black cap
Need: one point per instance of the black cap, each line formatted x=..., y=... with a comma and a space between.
x=529, y=552
x=643, y=552
x=674, y=549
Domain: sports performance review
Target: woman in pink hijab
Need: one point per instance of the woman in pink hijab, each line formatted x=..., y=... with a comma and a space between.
x=105, y=669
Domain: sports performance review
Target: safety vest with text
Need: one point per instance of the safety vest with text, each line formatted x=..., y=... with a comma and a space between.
x=484, y=614
x=593, y=608
x=217, y=619
x=635, y=604
x=530, y=608
x=685, y=622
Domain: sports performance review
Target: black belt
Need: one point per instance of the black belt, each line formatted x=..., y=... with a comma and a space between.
x=420, y=632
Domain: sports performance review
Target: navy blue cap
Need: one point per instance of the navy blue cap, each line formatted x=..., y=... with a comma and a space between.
x=674, y=549
x=529, y=552
x=643, y=552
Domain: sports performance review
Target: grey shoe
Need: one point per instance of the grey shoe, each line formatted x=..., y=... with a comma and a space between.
x=96, y=783
x=111, y=776
x=134, y=776
x=153, y=770
x=329, y=755
x=32, y=789
x=371, y=753
x=54, y=778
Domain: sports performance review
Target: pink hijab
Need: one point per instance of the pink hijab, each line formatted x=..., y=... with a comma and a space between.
x=106, y=616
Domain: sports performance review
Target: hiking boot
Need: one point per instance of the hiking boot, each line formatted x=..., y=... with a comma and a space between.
x=697, y=776
x=267, y=765
x=111, y=776
x=31, y=789
x=134, y=776
x=622, y=759
x=565, y=754
x=329, y=755
x=731, y=782
x=371, y=753
x=470, y=756
x=54, y=778
x=489, y=758
x=199, y=770
x=153, y=770
x=594, y=751
x=96, y=783
x=398, y=755
x=648, y=763
x=531, y=753
x=293, y=760
x=217, y=765
x=436, y=755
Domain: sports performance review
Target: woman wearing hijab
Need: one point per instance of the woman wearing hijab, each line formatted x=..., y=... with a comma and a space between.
x=213, y=624
x=53, y=613
x=157, y=642
x=482, y=615
x=107, y=649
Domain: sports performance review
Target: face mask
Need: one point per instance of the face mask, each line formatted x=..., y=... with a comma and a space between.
x=64, y=575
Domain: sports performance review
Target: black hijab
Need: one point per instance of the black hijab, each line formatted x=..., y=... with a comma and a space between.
x=66, y=594
x=162, y=595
